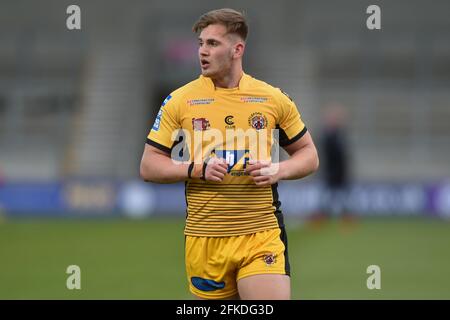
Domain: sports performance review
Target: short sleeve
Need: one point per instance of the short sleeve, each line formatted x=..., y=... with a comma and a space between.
x=166, y=122
x=290, y=122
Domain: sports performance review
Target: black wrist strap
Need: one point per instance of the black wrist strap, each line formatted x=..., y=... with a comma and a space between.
x=205, y=164
x=191, y=166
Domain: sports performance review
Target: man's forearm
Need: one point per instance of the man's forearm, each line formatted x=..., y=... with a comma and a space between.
x=301, y=164
x=161, y=169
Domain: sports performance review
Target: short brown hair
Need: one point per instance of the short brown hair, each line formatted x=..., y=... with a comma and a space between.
x=233, y=20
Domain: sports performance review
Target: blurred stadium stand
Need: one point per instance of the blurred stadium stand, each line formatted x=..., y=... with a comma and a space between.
x=77, y=104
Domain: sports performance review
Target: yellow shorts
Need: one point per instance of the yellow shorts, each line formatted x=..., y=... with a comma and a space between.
x=215, y=264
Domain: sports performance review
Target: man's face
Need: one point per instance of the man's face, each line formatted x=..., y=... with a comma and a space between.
x=216, y=51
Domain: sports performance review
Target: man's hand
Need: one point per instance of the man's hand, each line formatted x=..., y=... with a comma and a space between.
x=264, y=173
x=216, y=169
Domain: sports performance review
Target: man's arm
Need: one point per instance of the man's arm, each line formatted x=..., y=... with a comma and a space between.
x=157, y=166
x=303, y=161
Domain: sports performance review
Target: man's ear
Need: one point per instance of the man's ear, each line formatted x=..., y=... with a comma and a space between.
x=239, y=50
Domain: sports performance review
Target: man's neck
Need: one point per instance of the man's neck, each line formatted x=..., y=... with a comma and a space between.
x=231, y=80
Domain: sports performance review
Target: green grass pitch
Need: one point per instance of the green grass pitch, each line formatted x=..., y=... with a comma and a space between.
x=143, y=259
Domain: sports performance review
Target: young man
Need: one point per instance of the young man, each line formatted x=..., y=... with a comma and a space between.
x=236, y=245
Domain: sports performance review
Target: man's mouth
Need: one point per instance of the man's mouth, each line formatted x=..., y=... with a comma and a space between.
x=204, y=63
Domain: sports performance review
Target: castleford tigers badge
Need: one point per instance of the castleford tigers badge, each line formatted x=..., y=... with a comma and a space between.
x=269, y=259
x=257, y=121
x=200, y=124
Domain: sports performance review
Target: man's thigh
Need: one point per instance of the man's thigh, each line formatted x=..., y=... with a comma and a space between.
x=265, y=273
x=215, y=265
x=210, y=271
x=265, y=287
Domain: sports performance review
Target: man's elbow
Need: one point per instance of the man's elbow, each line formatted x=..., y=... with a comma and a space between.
x=144, y=172
x=315, y=163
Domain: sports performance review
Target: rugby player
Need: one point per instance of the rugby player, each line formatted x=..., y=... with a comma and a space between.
x=236, y=244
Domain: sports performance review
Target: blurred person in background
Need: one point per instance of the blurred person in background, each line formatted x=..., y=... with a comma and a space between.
x=334, y=151
x=236, y=243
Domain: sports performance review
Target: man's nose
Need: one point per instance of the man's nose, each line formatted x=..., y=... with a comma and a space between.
x=203, y=51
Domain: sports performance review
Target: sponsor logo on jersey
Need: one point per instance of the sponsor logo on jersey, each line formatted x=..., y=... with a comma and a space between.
x=269, y=259
x=194, y=102
x=157, y=122
x=234, y=157
x=229, y=120
x=166, y=100
x=200, y=124
x=253, y=99
x=257, y=121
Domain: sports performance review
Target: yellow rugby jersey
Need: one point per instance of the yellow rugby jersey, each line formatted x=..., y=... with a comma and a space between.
x=208, y=117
